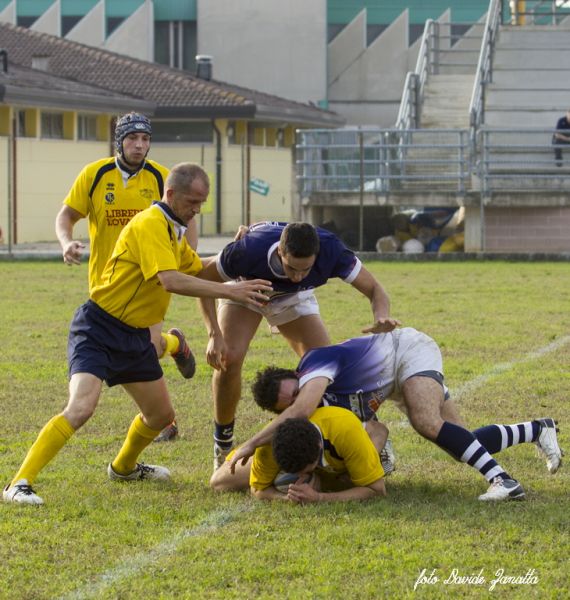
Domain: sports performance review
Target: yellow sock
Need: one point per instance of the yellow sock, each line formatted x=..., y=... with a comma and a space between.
x=172, y=343
x=51, y=439
x=138, y=438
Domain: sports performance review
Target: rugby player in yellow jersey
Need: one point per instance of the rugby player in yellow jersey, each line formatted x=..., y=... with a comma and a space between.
x=332, y=441
x=109, y=338
x=110, y=192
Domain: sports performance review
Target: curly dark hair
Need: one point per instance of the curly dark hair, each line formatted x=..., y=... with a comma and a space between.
x=296, y=444
x=300, y=240
x=265, y=387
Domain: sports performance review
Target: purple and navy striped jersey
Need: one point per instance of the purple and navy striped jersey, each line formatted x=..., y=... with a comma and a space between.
x=254, y=256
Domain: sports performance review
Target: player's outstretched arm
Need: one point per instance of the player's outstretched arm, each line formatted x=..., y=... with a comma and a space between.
x=370, y=287
x=304, y=406
x=249, y=292
x=382, y=326
x=269, y=493
x=305, y=493
x=216, y=348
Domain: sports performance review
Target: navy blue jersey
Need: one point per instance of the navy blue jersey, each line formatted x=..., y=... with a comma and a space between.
x=361, y=372
x=255, y=256
x=563, y=124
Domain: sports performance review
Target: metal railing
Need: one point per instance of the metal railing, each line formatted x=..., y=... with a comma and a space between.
x=437, y=45
x=409, y=111
x=540, y=12
x=412, y=161
x=383, y=161
x=522, y=161
x=484, y=73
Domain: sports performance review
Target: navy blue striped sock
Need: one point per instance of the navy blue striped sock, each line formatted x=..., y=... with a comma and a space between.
x=224, y=435
x=498, y=437
x=465, y=447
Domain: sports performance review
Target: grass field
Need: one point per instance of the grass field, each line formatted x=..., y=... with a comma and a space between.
x=504, y=330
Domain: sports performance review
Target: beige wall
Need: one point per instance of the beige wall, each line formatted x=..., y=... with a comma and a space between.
x=272, y=165
x=45, y=171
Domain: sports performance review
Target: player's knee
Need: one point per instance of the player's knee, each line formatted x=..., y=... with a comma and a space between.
x=223, y=481
x=77, y=416
x=428, y=428
x=233, y=362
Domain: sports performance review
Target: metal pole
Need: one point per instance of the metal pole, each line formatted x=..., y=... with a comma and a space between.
x=248, y=174
x=361, y=207
x=484, y=184
x=9, y=187
x=14, y=204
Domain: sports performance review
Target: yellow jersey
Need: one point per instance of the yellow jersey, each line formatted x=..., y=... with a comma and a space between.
x=110, y=199
x=347, y=448
x=130, y=289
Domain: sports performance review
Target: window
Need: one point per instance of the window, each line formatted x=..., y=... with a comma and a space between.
x=52, y=125
x=175, y=44
x=197, y=132
x=86, y=127
x=20, y=123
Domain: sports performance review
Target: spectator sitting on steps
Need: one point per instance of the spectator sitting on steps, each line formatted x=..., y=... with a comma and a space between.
x=561, y=139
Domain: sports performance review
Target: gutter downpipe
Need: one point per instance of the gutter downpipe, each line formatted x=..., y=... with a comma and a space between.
x=9, y=186
x=12, y=198
x=218, y=179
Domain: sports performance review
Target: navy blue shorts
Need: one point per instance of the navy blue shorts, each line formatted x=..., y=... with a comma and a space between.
x=109, y=349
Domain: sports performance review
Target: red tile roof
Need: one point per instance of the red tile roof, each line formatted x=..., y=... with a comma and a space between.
x=175, y=92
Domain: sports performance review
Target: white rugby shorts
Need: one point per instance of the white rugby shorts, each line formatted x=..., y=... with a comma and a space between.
x=416, y=353
x=284, y=310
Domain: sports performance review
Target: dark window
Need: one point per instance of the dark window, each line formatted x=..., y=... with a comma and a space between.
x=113, y=23
x=20, y=123
x=198, y=132
x=175, y=44
x=25, y=21
x=86, y=127
x=52, y=125
x=68, y=23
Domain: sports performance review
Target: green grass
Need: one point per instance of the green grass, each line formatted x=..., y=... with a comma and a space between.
x=96, y=539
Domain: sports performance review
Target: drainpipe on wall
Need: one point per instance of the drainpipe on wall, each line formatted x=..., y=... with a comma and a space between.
x=9, y=187
x=248, y=174
x=13, y=222
x=218, y=179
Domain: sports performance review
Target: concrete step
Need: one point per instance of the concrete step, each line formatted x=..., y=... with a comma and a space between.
x=510, y=118
x=532, y=58
x=529, y=79
x=446, y=101
x=535, y=37
x=517, y=98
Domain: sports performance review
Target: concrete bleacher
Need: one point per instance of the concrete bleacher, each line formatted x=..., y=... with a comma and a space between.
x=531, y=77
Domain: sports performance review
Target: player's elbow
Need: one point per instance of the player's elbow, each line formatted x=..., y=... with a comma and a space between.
x=168, y=280
x=379, y=488
x=259, y=494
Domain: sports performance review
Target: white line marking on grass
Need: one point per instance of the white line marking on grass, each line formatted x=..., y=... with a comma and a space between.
x=218, y=518
x=132, y=565
x=470, y=386
x=476, y=382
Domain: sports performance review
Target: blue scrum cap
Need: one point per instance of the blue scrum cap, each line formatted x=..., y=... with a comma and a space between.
x=130, y=123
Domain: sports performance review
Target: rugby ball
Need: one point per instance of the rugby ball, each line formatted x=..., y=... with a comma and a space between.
x=283, y=480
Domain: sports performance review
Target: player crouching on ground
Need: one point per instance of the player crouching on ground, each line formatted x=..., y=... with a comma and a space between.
x=110, y=339
x=404, y=365
x=329, y=457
